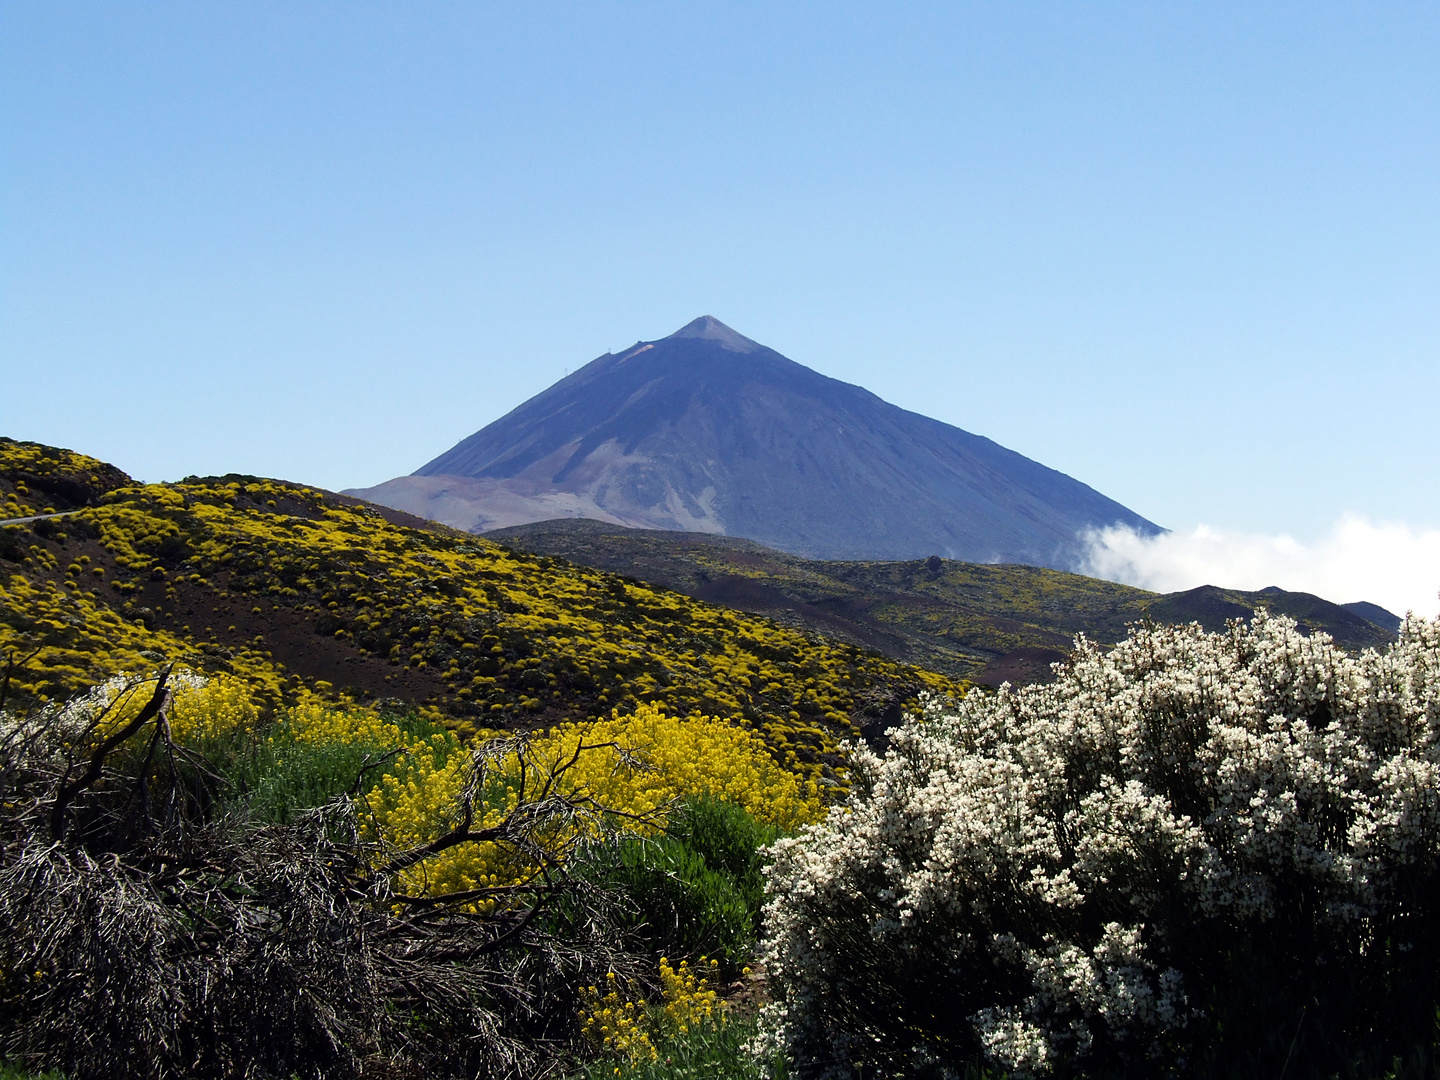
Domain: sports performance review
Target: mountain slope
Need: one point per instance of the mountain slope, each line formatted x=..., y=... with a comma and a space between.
x=708, y=431
x=984, y=622
x=301, y=591
x=1376, y=614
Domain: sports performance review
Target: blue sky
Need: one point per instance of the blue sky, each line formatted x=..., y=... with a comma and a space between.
x=1187, y=253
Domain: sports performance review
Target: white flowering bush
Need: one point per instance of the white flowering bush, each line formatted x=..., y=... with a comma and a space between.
x=1193, y=854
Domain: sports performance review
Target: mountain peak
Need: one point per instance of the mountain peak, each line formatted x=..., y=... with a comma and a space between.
x=712, y=329
x=708, y=431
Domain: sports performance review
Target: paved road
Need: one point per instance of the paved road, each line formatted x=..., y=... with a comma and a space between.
x=37, y=517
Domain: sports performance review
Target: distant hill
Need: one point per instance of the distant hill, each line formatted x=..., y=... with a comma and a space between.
x=987, y=622
x=707, y=431
x=1376, y=614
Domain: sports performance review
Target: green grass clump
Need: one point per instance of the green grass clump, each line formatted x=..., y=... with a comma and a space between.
x=731, y=842
x=15, y=1072
x=696, y=889
x=284, y=773
x=681, y=907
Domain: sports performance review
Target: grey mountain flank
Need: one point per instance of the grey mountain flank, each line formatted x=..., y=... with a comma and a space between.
x=707, y=431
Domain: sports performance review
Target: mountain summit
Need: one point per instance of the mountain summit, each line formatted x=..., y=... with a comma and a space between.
x=709, y=431
x=709, y=328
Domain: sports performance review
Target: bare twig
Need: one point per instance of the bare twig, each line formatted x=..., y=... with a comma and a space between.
x=69, y=790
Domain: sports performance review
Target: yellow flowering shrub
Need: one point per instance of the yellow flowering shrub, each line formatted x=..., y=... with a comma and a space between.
x=619, y=1026
x=416, y=802
x=204, y=709
x=636, y=765
x=112, y=705
x=315, y=721
x=197, y=711
x=698, y=755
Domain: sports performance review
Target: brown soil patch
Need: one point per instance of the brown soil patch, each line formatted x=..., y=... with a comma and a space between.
x=289, y=634
x=1021, y=667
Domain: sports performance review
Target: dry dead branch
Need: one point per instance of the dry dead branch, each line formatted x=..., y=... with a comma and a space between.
x=149, y=944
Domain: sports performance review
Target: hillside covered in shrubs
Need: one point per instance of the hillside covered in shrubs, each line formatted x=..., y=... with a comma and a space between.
x=297, y=590
x=291, y=786
x=990, y=622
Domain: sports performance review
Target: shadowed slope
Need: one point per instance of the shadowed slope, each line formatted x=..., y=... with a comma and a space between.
x=990, y=623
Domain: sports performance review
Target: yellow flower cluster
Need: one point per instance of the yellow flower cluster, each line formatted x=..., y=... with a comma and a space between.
x=314, y=721
x=615, y=1024
x=201, y=710
x=635, y=765
x=624, y=1027
x=416, y=802
x=687, y=1000
x=675, y=757
x=110, y=706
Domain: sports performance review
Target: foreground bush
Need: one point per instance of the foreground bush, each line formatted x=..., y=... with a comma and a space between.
x=154, y=929
x=1196, y=854
x=192, y=889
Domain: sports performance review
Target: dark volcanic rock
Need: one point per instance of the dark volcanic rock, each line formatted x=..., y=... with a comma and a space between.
x=708, y=431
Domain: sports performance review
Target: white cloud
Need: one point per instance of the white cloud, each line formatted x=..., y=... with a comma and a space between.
x=1386, y=563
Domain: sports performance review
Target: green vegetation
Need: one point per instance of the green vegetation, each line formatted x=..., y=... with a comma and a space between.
x=14, y=1072
x=287, y=773
x=370, y=797
x=696, y=889
x=730, y=842
x=948, y=616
